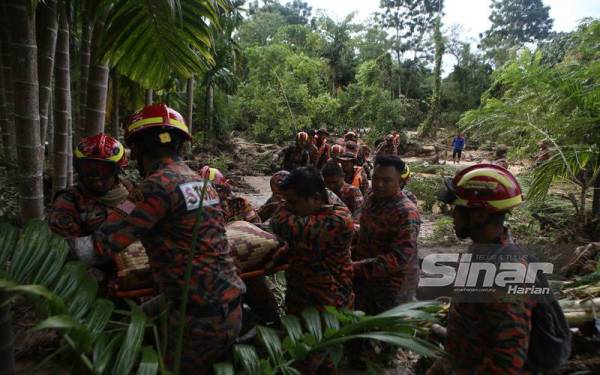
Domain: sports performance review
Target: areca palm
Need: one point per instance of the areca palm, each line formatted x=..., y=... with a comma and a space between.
x=223, y=74
x=33, y=264
x=327, y=331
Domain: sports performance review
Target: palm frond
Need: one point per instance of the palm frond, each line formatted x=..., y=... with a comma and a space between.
x=34, y=266
x=328, y=331
x=148, y=40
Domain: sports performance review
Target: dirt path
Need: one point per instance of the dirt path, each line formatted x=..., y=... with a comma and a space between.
x=262, y=189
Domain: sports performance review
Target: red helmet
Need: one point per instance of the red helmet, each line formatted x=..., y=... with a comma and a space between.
x=350, y=136
x=302, y=137
x=214, y=175
x=351, y=147
x=487, y=186
x=336, y=150
x=156, y=115
x=101, y=147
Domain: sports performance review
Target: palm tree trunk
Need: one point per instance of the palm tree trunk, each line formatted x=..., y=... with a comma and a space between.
x=596, y=194
x=27, y=116
x=86, y=34
x=6, y=141
x=209, y=109
x=97, y=85
x=190, y=103
x=149, y=96
x=63, y=105
x=70, y=155
x=47, y=29
x=7, y=354
x=115, y=104
x=5, y=64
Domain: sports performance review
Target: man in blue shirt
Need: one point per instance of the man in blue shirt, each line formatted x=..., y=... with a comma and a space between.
x=458, y=144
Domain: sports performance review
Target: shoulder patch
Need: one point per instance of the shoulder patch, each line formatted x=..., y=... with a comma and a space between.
x=191, y=192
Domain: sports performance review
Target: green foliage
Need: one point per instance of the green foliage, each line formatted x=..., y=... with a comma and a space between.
x=515, y=23
x=282, y=93
x=328, y=331
x=425, y=189
x=432, y=122
x=443, y=231
x=147, y=40
x=260, y=29
x=32, y=264
x=532, y=100
x=409, y=20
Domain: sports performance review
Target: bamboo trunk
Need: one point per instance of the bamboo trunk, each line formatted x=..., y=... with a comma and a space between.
x=10, y=132
x=27, y=117
x=48, y=25
x=115, y=104
x=97, y=90
x=7, y=354
x=63, y=105
x=190, y=103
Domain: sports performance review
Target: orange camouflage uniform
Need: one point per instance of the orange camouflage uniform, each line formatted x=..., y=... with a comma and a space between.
x=386, y=264
x=487, y=337
x=359, y=179
x=163, y=219
x=320, y=268
x=352, y=198
x=76, y=214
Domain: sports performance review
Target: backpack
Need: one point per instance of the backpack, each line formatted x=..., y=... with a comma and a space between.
x=550, y=337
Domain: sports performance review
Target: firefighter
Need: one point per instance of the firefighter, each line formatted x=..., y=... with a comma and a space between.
x=79, y=210
x=318, y=229
x=163, y=219
x=485, y=336
x=386, y=262
x=354, y=175
x=297, y=154
x=322, y=154
x=266, y=211
x=234, y=207
x=333, y=175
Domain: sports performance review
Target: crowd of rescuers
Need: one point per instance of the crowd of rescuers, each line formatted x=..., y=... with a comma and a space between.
x=350, y=225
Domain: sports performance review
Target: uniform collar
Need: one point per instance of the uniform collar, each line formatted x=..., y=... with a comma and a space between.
x=163, y=162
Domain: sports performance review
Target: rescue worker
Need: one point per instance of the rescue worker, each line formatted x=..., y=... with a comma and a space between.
x=485, y=336
x=234, y=207
x=298, y=154
x=266, y=211
x=318, y=229
x=354, y=175
x=458, y=145
x=258, y=295
x=322, y=154
x=336, y=151
x=404, y=177
x=387, y=147
x=350, y=136
x=385, y=259
x=79, y=210
x=364, y=154
x=333, y=175
x=163, y=219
